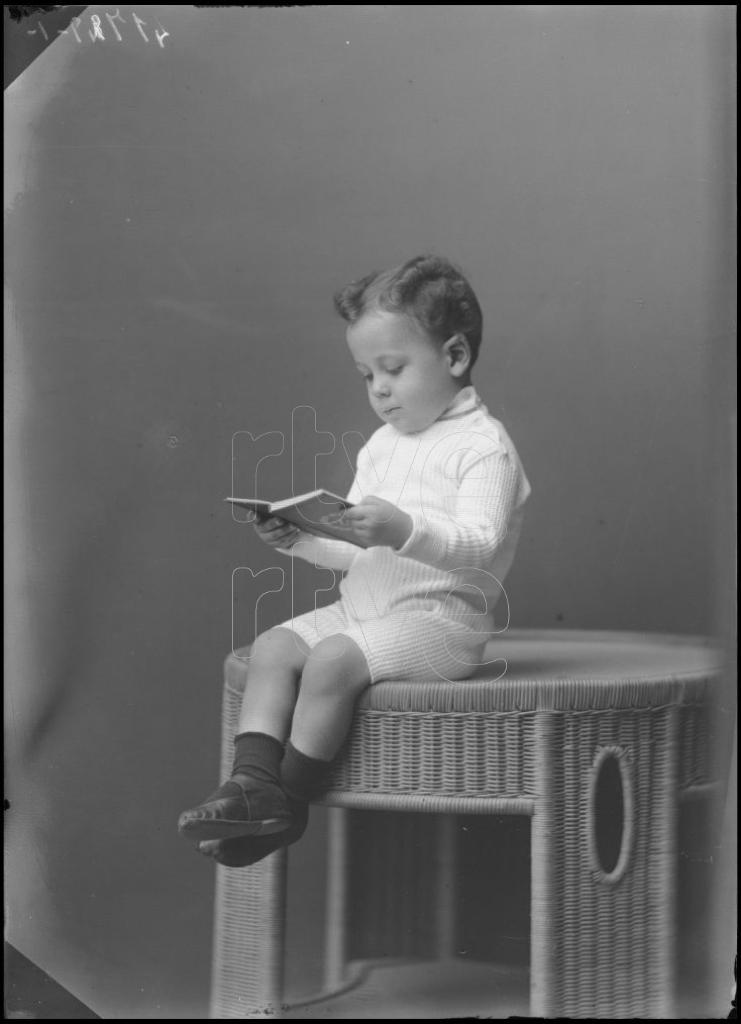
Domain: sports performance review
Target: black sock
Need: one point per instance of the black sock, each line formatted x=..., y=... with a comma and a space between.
x=258, y=756
x=303, y=778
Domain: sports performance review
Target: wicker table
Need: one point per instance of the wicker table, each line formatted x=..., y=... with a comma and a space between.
x=571, y=729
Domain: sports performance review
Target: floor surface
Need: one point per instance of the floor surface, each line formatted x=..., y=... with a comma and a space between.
x=30, y=994
x=427, y=991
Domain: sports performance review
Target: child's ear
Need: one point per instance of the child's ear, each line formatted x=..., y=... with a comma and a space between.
x=458, y=353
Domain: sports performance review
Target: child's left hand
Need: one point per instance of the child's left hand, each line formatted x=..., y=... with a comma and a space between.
x=379, y=523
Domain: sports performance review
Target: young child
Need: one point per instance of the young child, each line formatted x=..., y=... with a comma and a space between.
x=438, y=496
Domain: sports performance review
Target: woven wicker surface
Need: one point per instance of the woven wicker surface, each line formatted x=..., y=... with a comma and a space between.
x=528, y=669
x=249, y=917
x=458, y=746
x=604, y=940
x=526, y=735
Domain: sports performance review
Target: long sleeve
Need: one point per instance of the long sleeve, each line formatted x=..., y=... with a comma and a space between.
x=488, y=494
x=462, y=484
x=323, y=551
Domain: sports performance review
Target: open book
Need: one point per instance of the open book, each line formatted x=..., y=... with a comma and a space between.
x=316, y=512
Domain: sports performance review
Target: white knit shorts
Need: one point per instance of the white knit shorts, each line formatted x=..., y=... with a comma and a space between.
x=410, y=644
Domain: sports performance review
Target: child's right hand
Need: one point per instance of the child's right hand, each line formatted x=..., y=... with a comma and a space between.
x=278, y=533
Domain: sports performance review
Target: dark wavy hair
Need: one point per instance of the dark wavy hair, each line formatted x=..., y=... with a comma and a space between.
x=428, y=289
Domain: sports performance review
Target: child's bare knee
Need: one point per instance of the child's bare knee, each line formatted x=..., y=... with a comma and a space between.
x=336, y=661
x=278, y=647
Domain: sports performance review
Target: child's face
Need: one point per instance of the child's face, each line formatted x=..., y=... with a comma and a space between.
x=411, y=378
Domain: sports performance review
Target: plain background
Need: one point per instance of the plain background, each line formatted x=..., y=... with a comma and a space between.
x=177, y=219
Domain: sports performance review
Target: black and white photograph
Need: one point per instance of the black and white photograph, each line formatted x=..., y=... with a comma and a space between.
x=370, y=512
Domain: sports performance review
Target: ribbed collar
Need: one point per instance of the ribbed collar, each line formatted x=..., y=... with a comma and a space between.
x=465, y=401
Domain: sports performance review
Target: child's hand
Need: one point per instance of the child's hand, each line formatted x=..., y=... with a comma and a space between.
x=379, y=523
x=278, y=533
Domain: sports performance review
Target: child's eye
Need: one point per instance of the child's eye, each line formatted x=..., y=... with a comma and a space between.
x=392, y=372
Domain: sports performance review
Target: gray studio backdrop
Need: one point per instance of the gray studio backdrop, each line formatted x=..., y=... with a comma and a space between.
x=179, y=213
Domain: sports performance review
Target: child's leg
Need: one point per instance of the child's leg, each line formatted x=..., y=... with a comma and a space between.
x=252, y=802
x=276, y=661
x=334, y=675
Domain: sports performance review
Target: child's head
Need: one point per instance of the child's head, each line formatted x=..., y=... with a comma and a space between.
x=414, y=332
x=428, y=290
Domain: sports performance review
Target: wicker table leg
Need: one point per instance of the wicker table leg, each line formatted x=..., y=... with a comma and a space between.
x=250, y=905
x=603, y=933
x=335, y=951
x=249, y=940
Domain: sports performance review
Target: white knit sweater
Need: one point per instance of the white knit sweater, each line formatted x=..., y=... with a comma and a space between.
x=462, y=483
